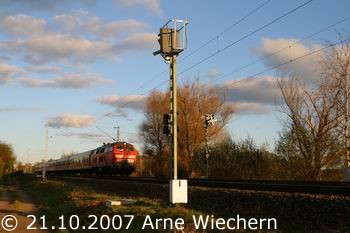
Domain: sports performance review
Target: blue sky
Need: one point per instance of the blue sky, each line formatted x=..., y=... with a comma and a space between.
x=67, y=64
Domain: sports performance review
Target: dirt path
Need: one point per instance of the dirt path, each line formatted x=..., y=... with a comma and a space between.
x=15, y=202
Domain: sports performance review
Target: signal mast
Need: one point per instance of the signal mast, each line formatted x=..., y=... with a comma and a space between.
x=172, y=41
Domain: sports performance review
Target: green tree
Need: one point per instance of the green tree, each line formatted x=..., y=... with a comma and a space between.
x=7, y=158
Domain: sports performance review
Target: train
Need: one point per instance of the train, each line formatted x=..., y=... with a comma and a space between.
x=118, y=158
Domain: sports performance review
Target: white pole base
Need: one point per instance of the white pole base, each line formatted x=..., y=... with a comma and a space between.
x=178, y=191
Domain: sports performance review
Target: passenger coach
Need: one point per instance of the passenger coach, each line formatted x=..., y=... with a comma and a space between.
x=117, y=158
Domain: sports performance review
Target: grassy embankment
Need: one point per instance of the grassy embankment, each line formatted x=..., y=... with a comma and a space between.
x=294, y=212
x=57, y=198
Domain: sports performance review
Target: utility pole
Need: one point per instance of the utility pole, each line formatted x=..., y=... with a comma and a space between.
x=173, y=112
x=209, y=121
x=46, y=142
x=346, y=128
x=172, y=40
x=206, y=152
x=117, y=133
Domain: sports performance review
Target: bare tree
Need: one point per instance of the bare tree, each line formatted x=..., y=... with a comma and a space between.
x=194, y=101
x=151, y=131
x=336, y=72
x=317, y=115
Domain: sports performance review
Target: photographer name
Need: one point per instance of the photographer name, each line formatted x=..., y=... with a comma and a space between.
x=209, y=222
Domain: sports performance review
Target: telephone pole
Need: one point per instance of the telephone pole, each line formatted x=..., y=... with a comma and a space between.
x=172, y=41
x=46, y=143
x=206, y=152
x=346, y=129
x=117, y=133
x=209, y=121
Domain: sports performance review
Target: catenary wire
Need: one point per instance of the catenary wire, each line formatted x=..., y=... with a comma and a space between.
x=217, y=52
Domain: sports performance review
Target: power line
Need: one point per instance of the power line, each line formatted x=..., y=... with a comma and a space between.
x=280, y=50
x=225, y=30
x=206, y=43
x=219, y=51
x=280, y=65
x=193, y=52
x=244, y=37
x=291, y=60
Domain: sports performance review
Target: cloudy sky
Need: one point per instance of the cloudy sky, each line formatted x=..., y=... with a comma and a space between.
x=79, y=67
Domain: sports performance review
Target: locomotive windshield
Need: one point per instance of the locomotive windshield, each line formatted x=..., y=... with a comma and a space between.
x=129, y=147
x=119, y=146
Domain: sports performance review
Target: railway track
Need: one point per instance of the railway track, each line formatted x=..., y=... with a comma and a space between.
x=328, y=188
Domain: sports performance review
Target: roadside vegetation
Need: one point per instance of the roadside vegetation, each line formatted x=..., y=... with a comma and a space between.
x=57, y=198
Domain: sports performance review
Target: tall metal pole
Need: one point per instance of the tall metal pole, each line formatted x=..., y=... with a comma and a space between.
x=46, y=142
x=347, y=146
x=207, y=151
x=118, y=133
x=173, y=111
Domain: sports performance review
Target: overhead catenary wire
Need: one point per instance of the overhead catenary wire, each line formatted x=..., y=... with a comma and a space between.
x=279, y=50
x=186, y=57
x=249, y=64
x=254, y=76
x=207, y=58
x=224, y=31
x=206, y=43
x=219, y=51
x=244, y=37
x=284, y=63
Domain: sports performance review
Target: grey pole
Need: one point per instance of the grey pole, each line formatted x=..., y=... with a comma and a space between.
x=173, y=111
x=207, y=151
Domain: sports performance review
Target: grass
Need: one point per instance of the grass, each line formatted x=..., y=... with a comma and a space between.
x=294, y=212
x=57, y=198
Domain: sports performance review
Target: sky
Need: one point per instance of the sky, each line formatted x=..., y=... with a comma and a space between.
x=77, y=68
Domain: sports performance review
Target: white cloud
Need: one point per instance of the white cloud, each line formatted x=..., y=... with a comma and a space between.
x=18, y=109
x=103, y=30
x=45, y=5
x=74, y=81
x=89, y=136
x=152, y=5
x=258, y=90
x=135, y=102
x=80, y=22
x=244, y=108
x=305, y=68
x=69, y=22
x=44, y=69
x=69, y=120
x=118, y=113
x=43, y=49
x=137, y=42
x=53, y=48
x=212, y=73
x=21, y=24
x=7, y=72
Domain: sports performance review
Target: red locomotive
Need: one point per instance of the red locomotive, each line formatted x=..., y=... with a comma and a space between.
x=117, y=158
